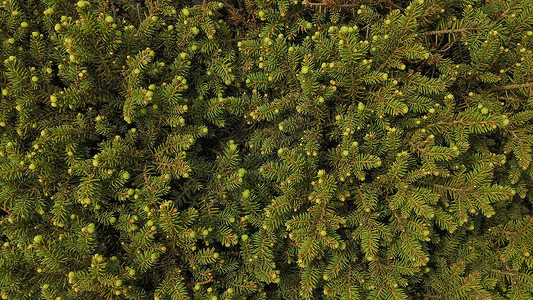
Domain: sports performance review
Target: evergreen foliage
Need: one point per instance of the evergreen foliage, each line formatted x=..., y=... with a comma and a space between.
x=266, y=149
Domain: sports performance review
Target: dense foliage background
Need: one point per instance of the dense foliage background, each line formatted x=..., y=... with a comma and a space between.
x=266, y=149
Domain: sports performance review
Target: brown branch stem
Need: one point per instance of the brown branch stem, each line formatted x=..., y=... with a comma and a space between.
x=306, y=2
x=438, y=32
x=512, y=86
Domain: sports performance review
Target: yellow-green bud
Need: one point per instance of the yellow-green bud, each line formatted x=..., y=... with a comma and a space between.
x=37, y=239
x=505, y=122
